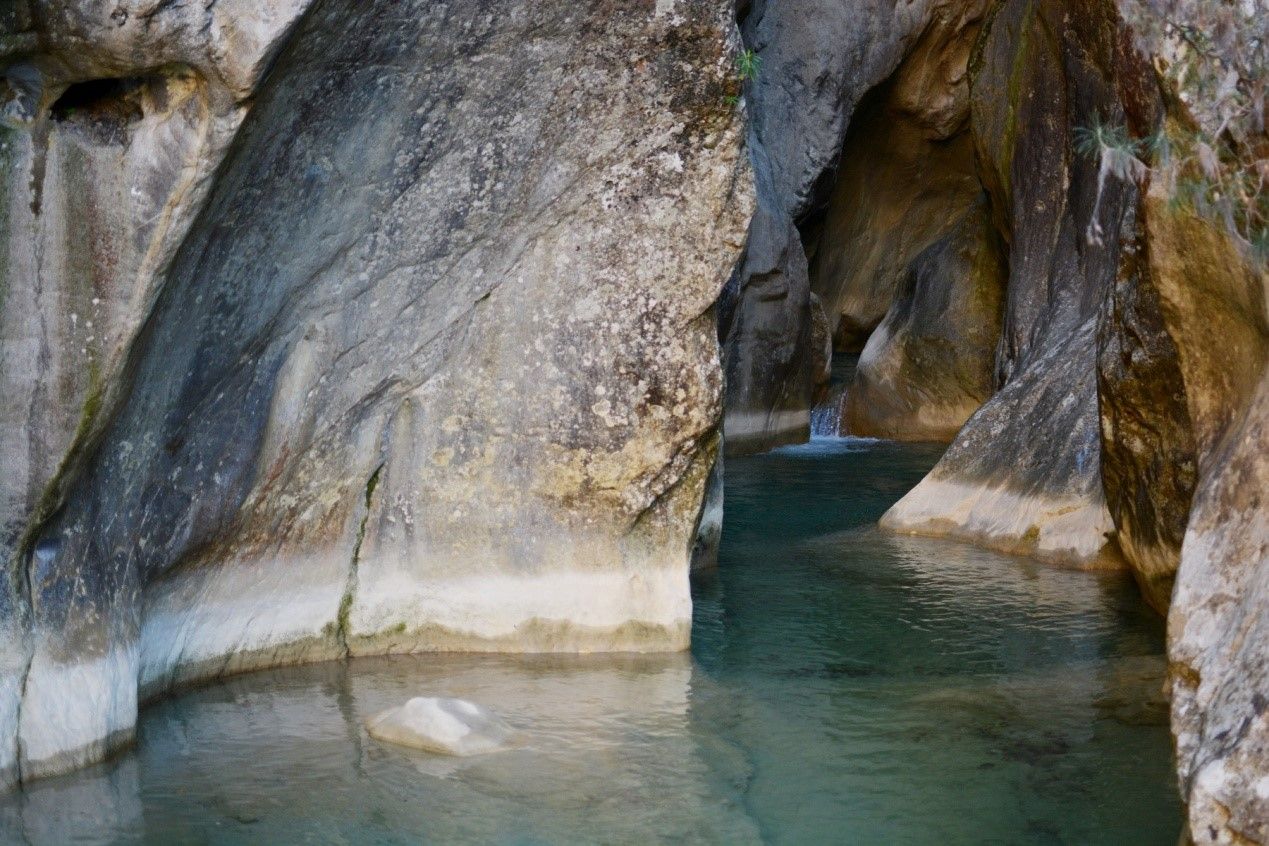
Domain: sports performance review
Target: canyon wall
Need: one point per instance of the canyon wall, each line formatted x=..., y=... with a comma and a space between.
x=333, y=328
x=349, y=328
x=1024, y=472
x=987, y=214
x=815, y=62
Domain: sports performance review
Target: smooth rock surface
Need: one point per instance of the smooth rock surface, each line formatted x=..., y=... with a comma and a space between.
x=441, y=725
x=110, y=129
x=904, y=179
x=931, y=362
x=1024, y=473
x=312, y=438
x=816, y=60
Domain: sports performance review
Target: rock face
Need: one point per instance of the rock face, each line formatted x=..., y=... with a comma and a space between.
x=931, y=362
x=1024, y=473
x=905, y=176
x=1183, y=334
x=1218, y=640
x=816, y=61
x=296, y=391
x=104, y=163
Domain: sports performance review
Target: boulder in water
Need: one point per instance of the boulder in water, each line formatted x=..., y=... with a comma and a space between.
x=444, y=726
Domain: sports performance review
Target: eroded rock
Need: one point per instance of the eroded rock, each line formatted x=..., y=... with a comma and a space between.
x=1182, y=340
x=110, y=128
x=1024, y=473
x=904, y=179
x=816, y=61
x=319, y=444
x=931, y=362
x=1218, y=640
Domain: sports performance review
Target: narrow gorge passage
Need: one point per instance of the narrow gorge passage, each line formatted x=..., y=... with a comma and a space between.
x=844, y=686
x=724, y=420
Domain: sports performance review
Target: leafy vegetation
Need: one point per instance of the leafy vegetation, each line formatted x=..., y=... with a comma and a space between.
x=748, y=63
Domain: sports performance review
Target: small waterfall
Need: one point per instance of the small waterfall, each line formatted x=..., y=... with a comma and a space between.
x=826, y=418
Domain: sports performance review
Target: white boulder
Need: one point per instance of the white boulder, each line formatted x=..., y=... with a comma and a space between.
x=444, y=726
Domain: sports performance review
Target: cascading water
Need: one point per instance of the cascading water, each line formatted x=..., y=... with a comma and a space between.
x=826, y=417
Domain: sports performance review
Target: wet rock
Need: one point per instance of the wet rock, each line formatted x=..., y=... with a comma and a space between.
x=310, y=438
x=1218, y=639
x=709, y=528
x=821, y=347
x=930, y=364
x=445, y=726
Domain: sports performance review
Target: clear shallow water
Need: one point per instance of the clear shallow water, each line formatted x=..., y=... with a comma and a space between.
x=844, y=687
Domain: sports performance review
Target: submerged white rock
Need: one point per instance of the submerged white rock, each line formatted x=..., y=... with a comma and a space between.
x=445, y=726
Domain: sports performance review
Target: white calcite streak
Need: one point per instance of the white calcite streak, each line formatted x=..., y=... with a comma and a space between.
x=553, y=611
x=76, y=713
x=239, y=616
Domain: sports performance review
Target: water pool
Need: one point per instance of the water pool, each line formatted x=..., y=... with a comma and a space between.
x=844, y=686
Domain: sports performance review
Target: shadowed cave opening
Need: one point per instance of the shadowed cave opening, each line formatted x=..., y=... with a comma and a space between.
x=100, y=100
x=104, y=109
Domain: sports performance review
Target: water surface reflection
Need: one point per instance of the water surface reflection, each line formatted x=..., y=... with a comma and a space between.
x=844, y=686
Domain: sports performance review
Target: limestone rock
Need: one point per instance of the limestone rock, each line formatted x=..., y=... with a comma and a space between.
x=816, y=60
x=445, y=726
x=905, y=177
x=1024, y=473
x=1182, y=339
x=765, y=331
x=110, y=128
x=930, y=364
x=1218, y=640
x=310, y=436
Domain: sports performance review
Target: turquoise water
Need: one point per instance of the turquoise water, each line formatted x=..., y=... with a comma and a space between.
x=844, y=686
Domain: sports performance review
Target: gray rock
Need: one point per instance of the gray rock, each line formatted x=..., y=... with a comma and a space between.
x=433, y=366
x=104, y=164
x=765, y=330
x=816, y=60
x=905, y=177
x=1218, y=641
